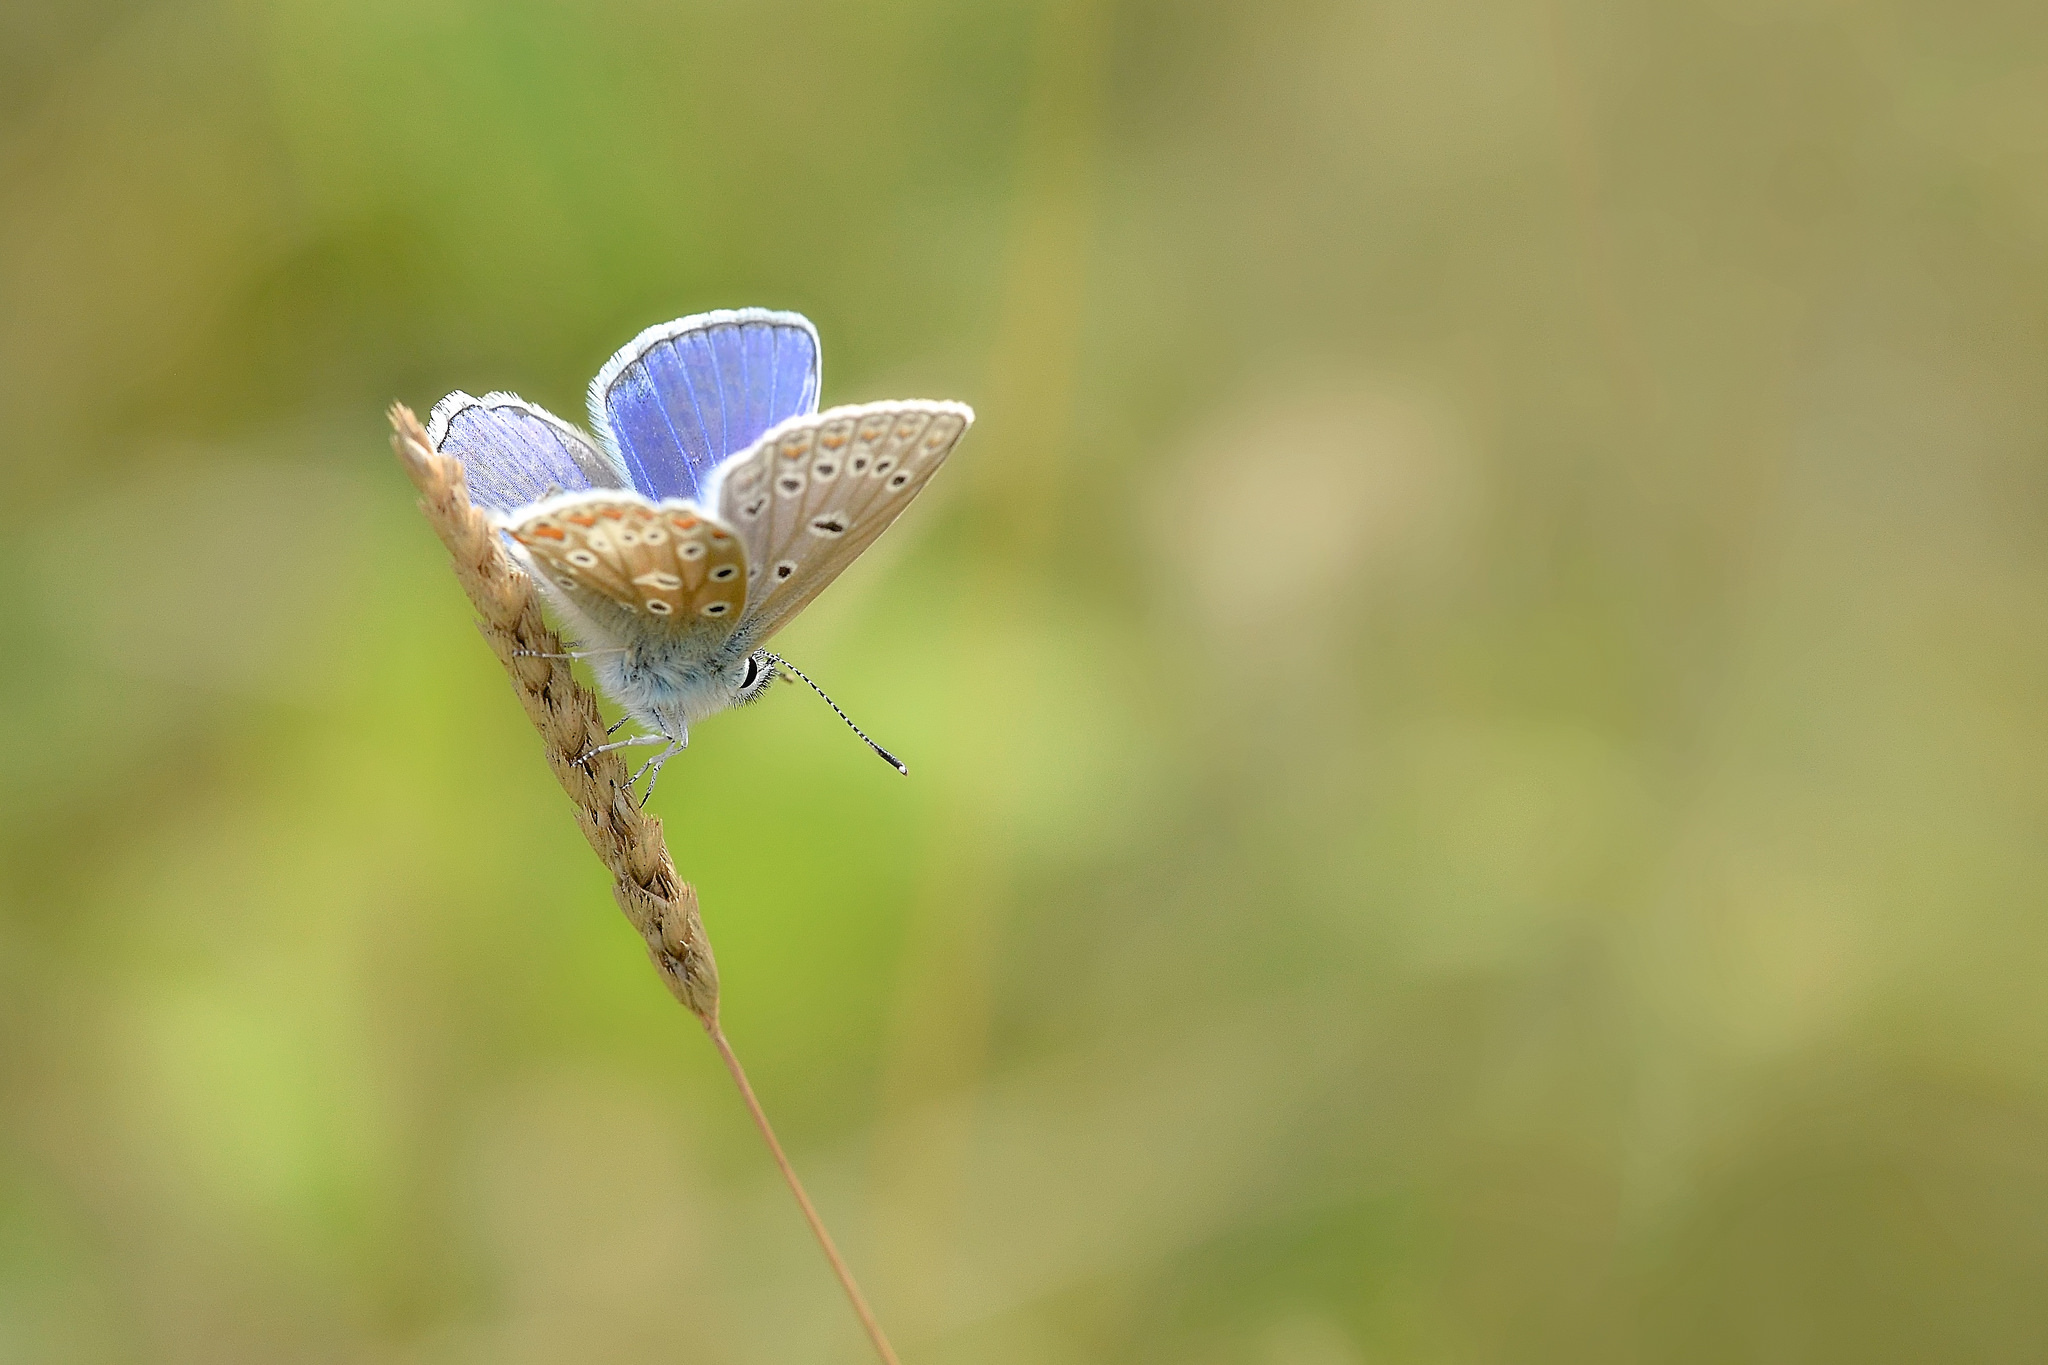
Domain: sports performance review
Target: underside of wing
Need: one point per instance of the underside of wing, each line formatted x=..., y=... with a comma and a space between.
x=666, y=564
x=682, y=397
x=817, y=490
x=514, y=453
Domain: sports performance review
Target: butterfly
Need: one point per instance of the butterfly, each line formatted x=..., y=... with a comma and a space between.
x=715, y=502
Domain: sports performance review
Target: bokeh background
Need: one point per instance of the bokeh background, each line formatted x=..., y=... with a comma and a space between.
x=1476, y=697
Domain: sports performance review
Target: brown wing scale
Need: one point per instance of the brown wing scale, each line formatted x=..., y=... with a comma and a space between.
x=668, y=562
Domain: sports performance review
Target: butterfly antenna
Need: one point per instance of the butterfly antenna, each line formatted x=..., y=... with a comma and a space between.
x=887, y=757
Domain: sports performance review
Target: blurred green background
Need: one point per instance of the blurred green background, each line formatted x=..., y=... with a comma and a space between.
x=1476, y=697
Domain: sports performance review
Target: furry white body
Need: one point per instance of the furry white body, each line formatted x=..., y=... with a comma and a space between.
x=667, y=681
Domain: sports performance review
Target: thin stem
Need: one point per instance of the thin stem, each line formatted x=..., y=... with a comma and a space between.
x=796, y=1187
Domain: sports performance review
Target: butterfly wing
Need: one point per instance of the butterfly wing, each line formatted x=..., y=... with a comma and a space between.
x=816, y=491
x=514, y=453
x=667, y=565
x=681, y=398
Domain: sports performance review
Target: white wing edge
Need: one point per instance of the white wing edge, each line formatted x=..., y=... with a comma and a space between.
x=560, y=502
x=455, y=404
x=665, y=331
x=715, y=485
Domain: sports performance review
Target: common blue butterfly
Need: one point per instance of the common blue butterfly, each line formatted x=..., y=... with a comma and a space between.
x=716, y=502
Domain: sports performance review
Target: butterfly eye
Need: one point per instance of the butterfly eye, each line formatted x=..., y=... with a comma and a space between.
x=753, y=672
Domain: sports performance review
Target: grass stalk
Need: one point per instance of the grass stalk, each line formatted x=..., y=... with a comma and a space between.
x=658, y=903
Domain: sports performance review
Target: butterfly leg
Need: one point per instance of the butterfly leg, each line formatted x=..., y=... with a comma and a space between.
x=654, y=763
x=623, y=744
x=674, y=748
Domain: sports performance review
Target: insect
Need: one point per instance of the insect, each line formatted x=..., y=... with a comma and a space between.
x=714, y=504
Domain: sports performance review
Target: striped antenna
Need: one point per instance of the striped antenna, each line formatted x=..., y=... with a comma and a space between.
x=887, y=757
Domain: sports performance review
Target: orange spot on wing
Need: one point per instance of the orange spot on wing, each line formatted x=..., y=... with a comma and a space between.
x=685, y=523
x=580, y=519
x=610, y=513
x=551, y=532
x=717, y=534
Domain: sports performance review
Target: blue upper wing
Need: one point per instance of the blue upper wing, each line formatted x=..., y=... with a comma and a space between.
x=514, y=453
x=682, y=397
